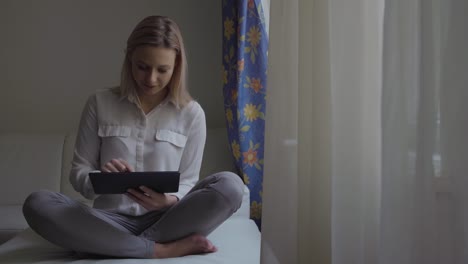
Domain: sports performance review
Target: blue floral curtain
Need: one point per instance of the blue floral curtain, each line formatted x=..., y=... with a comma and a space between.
x=244, y=73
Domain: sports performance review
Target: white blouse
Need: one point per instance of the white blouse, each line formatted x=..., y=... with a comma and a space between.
x=165, y=139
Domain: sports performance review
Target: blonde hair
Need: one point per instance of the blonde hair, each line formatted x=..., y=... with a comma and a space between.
x=158, y=31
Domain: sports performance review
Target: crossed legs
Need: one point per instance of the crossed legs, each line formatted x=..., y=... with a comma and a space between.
x=181, y=230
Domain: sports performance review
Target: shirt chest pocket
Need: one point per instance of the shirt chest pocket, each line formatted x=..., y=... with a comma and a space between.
x=169, y=146
x=115, y=142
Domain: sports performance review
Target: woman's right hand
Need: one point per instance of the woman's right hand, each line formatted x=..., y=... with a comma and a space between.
x=116, y=165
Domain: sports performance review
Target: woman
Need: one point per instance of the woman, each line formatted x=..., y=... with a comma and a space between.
x=148, y=123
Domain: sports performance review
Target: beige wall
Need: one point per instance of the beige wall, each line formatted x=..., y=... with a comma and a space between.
x=55, y=53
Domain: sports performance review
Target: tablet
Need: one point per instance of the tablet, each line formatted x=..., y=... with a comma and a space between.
x=120, y=182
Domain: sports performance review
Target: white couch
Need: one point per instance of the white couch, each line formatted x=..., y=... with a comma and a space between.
x=29, y=162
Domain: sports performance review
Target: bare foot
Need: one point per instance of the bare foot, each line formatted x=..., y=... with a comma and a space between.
x=193, y=244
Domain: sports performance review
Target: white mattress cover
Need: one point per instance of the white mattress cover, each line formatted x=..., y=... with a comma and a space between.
x=237, y=239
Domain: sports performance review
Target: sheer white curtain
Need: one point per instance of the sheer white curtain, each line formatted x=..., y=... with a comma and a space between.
x=453, y=196
x=297, y=136
x=423, y=209
x=367, y=132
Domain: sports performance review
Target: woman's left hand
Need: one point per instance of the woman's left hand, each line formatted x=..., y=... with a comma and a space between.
x=151, y=200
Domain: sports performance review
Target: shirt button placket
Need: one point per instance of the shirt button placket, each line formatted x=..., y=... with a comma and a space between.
x=140, y=144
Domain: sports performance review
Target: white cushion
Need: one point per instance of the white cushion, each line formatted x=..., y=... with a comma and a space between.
x=238, y=241
x=65, y=185
x=29, y=163
x=11, y=222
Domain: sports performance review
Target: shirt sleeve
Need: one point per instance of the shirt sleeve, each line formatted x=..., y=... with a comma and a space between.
x=192, y=156
x=86, y=152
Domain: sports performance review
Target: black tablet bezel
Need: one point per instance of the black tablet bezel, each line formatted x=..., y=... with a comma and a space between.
x=120, y=182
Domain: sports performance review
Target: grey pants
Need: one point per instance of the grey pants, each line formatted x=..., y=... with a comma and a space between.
x=73, y=225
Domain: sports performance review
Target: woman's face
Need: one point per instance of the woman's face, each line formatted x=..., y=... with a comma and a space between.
x=152, y=68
